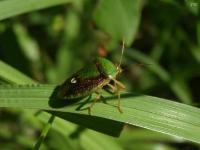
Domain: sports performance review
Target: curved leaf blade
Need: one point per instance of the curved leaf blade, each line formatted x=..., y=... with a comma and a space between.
x=149, y=112
x=12, y=75
x=11, y=8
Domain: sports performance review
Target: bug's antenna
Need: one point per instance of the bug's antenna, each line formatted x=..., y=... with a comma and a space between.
x=123, y=46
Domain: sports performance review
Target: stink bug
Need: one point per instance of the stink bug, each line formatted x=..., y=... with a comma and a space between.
x=91, y=79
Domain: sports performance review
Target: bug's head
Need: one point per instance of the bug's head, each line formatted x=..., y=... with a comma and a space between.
x=108, y=68
x=119, y=69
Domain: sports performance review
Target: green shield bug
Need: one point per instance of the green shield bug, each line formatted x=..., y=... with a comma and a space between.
x=91, y=79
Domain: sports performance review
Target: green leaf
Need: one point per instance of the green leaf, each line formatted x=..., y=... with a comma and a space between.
x=149, y=146
x=10, y=8
x=119, y=18
x=149, y=112
x=12, y=75
x=141, y=135
x=95, y=123
x=74, y=133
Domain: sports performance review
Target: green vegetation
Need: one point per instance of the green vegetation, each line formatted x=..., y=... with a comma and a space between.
x=44, y=42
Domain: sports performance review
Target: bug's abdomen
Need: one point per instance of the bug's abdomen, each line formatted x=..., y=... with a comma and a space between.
x=77, y=87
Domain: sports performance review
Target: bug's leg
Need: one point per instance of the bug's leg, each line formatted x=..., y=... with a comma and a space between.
x=112, y=87
x=93, y=103
x=119, y=87
x=116, y=90
x=119, y=100
x=118, y=83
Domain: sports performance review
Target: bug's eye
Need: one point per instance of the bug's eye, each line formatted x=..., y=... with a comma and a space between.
x=73, y=80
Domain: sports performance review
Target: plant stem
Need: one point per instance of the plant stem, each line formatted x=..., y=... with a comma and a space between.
x=44, y=133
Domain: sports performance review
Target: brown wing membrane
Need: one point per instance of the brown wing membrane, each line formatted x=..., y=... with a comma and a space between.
x=76, y=87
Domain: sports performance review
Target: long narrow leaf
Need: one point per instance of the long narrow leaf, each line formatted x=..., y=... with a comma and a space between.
x=13, y=76
x=82, y=135
x=145, y=111
x=9, y=8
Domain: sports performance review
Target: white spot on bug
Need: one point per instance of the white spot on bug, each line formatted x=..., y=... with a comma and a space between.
x=110, y=77
x=73, y=80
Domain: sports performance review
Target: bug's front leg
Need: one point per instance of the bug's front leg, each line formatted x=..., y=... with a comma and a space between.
x=94, y=101
x=116, y=89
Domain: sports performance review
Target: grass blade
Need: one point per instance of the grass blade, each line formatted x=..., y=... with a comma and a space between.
x=44, y=132
x=10, y=8
x=13, y=76
x=153, y=113
x=82, y=136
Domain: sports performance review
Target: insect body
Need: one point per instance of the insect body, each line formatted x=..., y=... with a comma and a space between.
x=91, y=79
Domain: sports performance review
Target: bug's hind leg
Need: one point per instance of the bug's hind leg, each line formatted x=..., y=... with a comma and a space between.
x=93, y=103
x=119, y=102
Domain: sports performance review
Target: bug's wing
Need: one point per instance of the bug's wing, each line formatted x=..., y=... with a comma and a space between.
x=81, y=83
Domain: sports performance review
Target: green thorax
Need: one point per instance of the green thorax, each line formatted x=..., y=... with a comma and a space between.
x=88, y=71
x=106, y=67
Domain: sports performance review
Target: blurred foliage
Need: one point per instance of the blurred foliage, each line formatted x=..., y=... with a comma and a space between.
x=162, y=59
